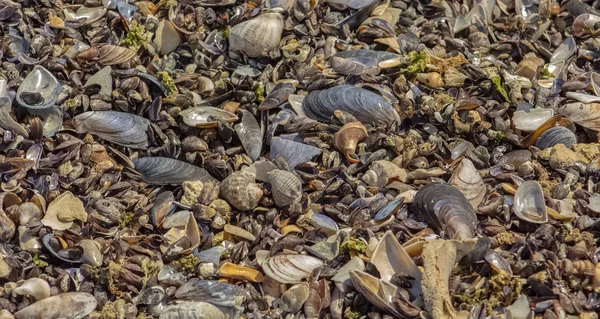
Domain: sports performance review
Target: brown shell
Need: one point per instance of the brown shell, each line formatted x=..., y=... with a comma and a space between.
x=239, y=190
x=346, y=139
x=286, y=187
x=113, y=54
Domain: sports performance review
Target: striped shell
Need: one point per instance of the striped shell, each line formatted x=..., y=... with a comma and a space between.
x=290, y=269
x=164, y=170
x=293, y=152
x=250, y=135
x=239, y=190
x=258, y=36
x=121, y=128
x=286, y=187
x=556, y=135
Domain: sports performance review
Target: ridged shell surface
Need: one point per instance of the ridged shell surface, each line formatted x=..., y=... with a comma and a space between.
x=258, y=36
x=556, y=135
x=446, y=209
x=290, y=269
x=250, y=135
x=72, y=305
x=197, y=310
x=379, y=55
x=294, y=152
x=215, y=292
x=121, y=128
x=467, y=180
x=366, y=106
x=164, y=170
x=286, y=187
x=240, y=190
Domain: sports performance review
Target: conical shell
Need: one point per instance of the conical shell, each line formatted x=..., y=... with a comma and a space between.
x=258, y=36
x=239, y=190
x=290, y=269
x=286, y=187
x=346, y=139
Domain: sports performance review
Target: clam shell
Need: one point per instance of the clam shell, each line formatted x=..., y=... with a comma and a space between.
x=250, y=135
x=556, y=135
x=212, y=291
x=258, y=36
x=366, y=106
x=376, y=291
x=206, y=116
x=117, y=127
x=167, y=38
x=293, y=152
x=286, y=187
x=446, y=210
x=586, y=115
x=466, y=179
x=72, y=305
x=164, y=170
x=113, y=54
x=239, y=190
x=529, y=203
x=41, y=81
x=290, y=269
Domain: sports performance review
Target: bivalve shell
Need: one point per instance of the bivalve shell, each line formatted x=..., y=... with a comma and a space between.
x=258, y=36
x=286, y=187
x=290, y=269
x=529, y=203
x=556, y=135
x=72, y=305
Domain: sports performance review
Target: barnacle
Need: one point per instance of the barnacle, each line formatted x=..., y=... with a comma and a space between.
x=168, y=81
x=354, y=246
x=136, y=36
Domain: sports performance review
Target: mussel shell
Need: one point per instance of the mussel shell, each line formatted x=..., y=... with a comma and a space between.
x=366, y=106
x=584, y=114
x=250, y=135
x=70, y=255
x=445, y=209
x=530, y=204
x=293, y=152
x=556, y=135
x=565, y=50
x=121, y=128
x=164, y=170
x=72, y=305
x=215, y=292
x=197, y=310
x=41, y=81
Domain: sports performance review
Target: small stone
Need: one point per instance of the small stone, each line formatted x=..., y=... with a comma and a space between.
x=191, y=191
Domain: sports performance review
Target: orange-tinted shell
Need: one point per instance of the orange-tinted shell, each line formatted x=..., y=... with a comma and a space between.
x=346, y=139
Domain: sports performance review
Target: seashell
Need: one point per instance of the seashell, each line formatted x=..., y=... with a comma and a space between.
x=564, y=51
x=378, y=292
x=239, y=190
x=257, y=36
x=293, y=152
x=35, y=287
x=63, y=210
x=586, y=115
x=530, y=121
x=183, y=240
x=529, y=203
x=6, y=120
x=357, y=65
x=431, y=79
x=582, y=97
x=466, y=179
x=594, y=79
x=239, y=232
x=380, y=56
x=126, y=10
x=446, y=210
x=116, y=127
x=286, y=187
x=162, y=206
x=323, y=222
x=150, y=296
x=366, y=106
x=212, y=291
x=347, y=138
x=90, y=15
x=278, y=95
x=113, y=54
x=326, y=249
x=521, y=308
x=164, y=170
x=319, y=297
x=390, y=258
x=229, y=270
x=92, y=254
x=206, y=116
x=56, y=246
x=290, y=269
x=498, y=263
x=72, y=305
x=528, y=67
x=556, y=135
x=585, y=24
x=102, y=78
x=28, y=240
x=197, y=310
x=293, y=299
x=166, y=38
x=42, y=82
x=250, y=135
x=342, y=276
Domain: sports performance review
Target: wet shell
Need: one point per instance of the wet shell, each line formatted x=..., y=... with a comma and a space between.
x=446, y=210
x=293, y=152
x=286, y=187
x=366, y=106
x=466, y=179
x=215, y=292
x=41, y=81
x=348, y=137
x=290, y=269
x=380, y=56
x=556, y=135
x=164, y=170
x=206, y=116
x=586, y=115
x=117, y=127
x=239, y=190
x=72, y=305
x=258, y=36
x=529, y=203
x=250, y=135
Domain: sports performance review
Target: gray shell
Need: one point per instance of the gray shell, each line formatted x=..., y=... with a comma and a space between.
x=250, y=135
x=379, y=55
x=121, y=128
x=41, y=81
x=556, y=135
x=215, y=292
x=366, y=106
x=293, y=152
x=164, y=170
x=446, y=209
x=286, y=187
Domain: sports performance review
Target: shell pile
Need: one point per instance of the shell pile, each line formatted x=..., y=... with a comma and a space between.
x=334, y=159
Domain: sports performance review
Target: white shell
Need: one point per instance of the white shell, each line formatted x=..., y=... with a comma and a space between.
x=257, y=36
x=290, y=269
x=35, y=287
x=467, y=180
x=72, y=305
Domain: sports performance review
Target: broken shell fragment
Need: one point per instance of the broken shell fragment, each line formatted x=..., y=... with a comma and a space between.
x=234, y=271
x=63, y=211
x=35, y=287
